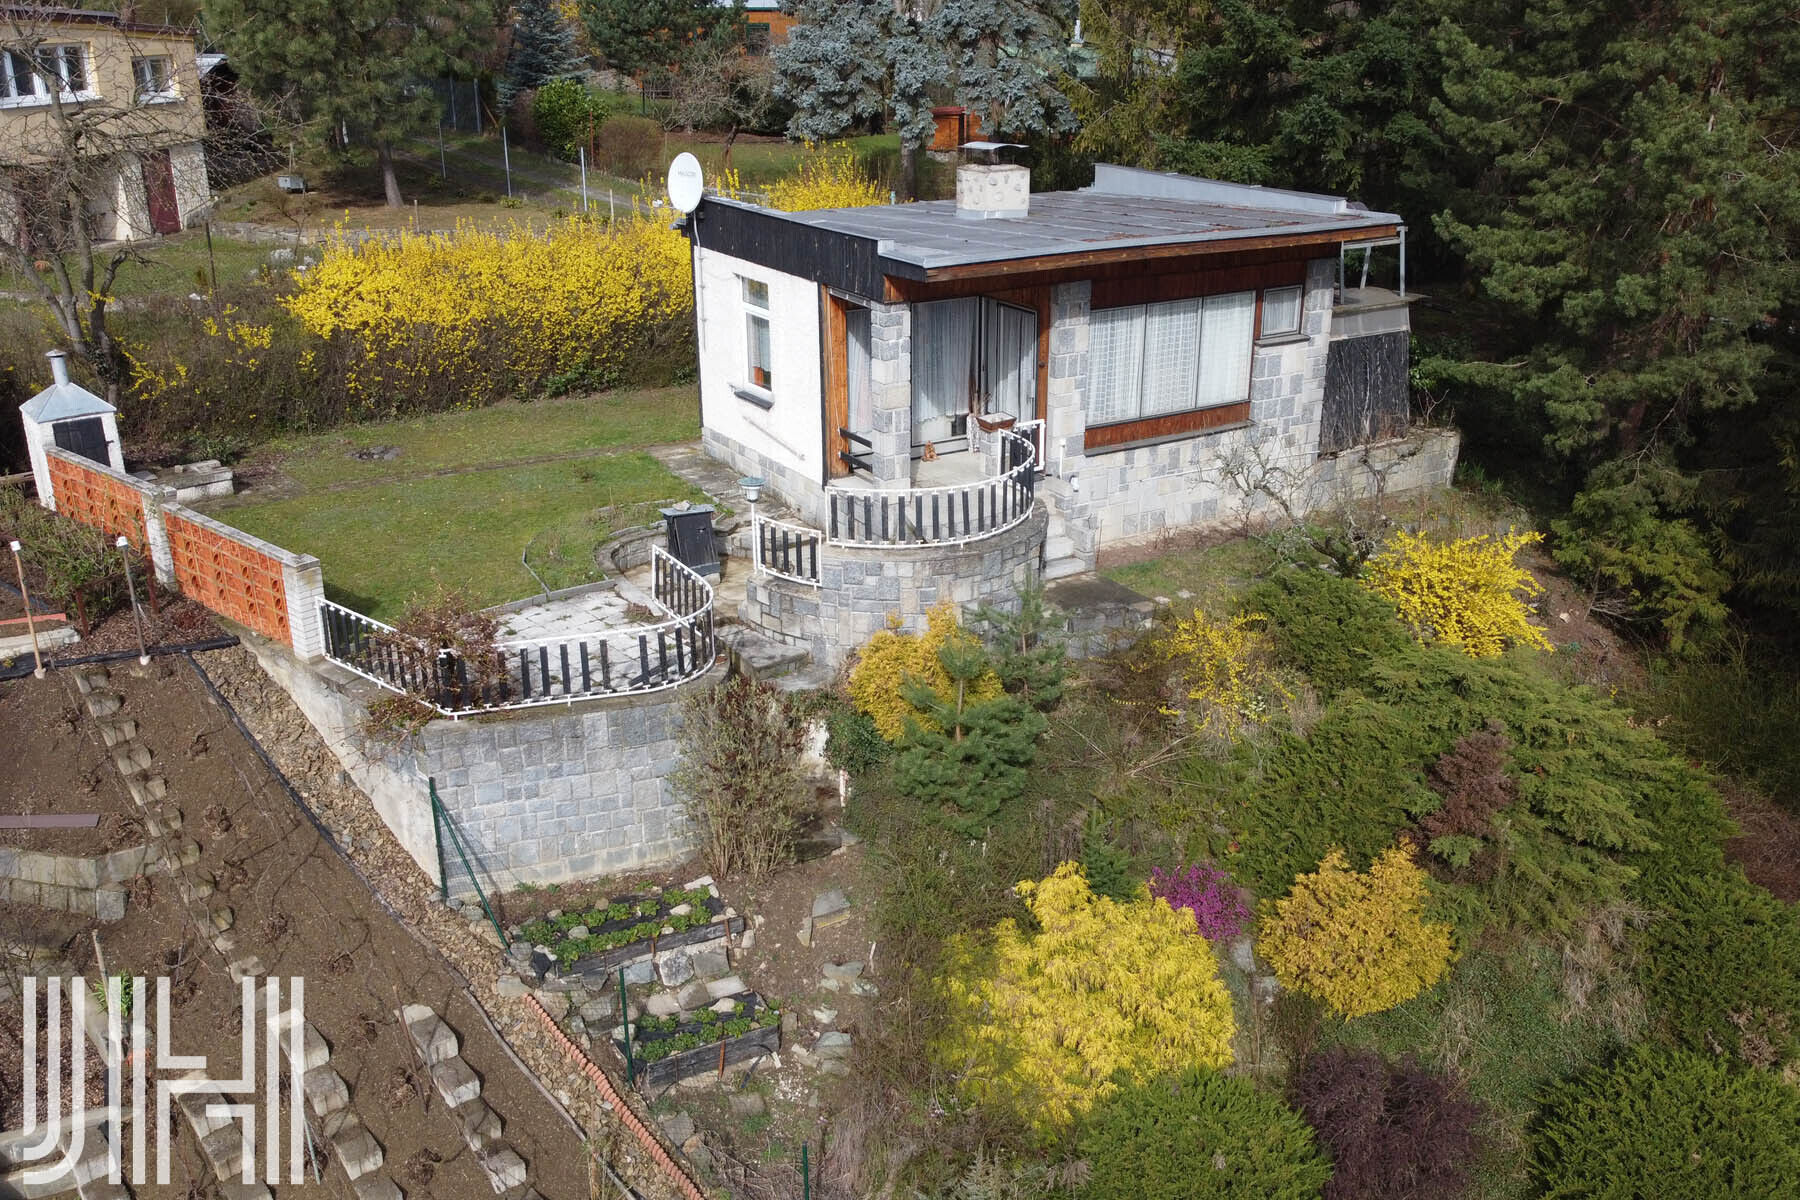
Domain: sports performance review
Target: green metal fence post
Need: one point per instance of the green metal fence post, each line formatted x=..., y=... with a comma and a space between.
x=805, y=1171
x=625, y=1020
x=437, y=838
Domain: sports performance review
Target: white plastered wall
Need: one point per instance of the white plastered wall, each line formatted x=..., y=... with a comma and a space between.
x=790, y=433
x=187, y=163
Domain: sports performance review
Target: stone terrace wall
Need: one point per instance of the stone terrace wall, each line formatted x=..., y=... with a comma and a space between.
x=859, y=588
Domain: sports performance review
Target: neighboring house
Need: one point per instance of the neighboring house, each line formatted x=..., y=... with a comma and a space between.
x=956, y=397
x=136, y=89
x=765, y=25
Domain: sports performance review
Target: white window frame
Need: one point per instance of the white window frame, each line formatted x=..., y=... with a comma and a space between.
x=758, y=312
x=1143, y=358
x=58, y=53
x=1298, y=293
x=147, y=95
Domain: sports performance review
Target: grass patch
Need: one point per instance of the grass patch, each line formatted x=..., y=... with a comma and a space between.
x=175, y=265
x=1215, y=575
x=493, y=436
x=383, y=543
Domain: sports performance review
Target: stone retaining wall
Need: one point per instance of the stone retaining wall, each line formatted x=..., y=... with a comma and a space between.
x=90, y=886
x=541, y=795
x=860, y=588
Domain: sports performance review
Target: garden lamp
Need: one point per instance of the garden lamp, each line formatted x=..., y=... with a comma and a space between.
x=37, y=656
x=753, y=486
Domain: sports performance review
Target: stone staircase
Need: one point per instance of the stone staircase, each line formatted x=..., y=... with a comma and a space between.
x=1060, y=556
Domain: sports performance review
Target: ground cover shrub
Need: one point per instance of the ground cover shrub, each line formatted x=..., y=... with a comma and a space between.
x=1668, y=1123
x=1221, y=669
x=1040, y=1024
x=892, y=658
x=1719, y=963
x=1106, y=865
x=1220, y=913
x=1472, y=778
x=1326, y=625
x=496, y=312
x=1466, y=593
x=741, y=775
x=1195, y=1134
x=1736, y=710
x=1356, y=941
x=1393, y=1131
x=852, y=743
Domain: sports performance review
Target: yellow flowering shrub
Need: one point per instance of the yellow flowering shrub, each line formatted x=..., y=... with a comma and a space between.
x=1038, y=1024
x=1222, y=669
x=1468, y=593
x=1358, y=942
x=893, y=656
x=827, y=178
x=497, y=311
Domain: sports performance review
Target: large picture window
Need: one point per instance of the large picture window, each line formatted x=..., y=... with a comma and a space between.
x=1154, y=360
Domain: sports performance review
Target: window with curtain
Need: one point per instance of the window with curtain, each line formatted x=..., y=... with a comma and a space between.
x=1150, y=360
x=1281, y=311
x=943, y=346
x=856, y=366
x=756, y=334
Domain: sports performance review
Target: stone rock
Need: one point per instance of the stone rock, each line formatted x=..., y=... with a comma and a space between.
x=747, y=940
x=693, y=885
x=789, y=1023
x=693, y=996
x=748, y=1104
x=1243, y=955
x=555, y=1003
x=505, y=1169
x=843, y=971
x=480, y=1125
x=487, y=933
x=471, y=913
x=728, y=986
x=834, y=1044
x=806, y=931
x=701, y=1157
x=436, y=1040
x=862, y=987
x=600, y=1008
x=676, y=969
x=326, y=1091
x=678, y=1128
x=724, y=1005
x=510, y=987
x=824, y=1016
x=681, y=910
x=371, y=1187
x=710, y=964
x=829, y=908
x=834, y=1066
x=662, y=1004
x=642, y=971
x=357, y=1151
x=553, y=916
x=577, y=932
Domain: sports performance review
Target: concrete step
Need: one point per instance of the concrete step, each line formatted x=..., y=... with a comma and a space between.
x=1058, y=545
x=1063, y=568
x=761, y=657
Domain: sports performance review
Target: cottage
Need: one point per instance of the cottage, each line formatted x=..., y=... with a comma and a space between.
x=954, y=397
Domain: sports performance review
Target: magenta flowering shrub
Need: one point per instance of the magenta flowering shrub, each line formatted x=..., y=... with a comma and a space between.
x=1215, y=901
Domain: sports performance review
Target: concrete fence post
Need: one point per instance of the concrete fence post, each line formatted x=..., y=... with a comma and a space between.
x=156, y=534
x=304, y=580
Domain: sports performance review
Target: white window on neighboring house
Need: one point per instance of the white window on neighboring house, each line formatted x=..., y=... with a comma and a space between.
x=155, y=76
x=28, y=75
x=1280, y=312
x=756, y=335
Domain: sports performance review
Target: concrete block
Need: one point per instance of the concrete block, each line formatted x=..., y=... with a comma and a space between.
x=455, y=1081
x=356, y=1150
x=480, y=1125
x=326, y=1091
x=435, y=1039
x=376, y=1187
x=505, y=1169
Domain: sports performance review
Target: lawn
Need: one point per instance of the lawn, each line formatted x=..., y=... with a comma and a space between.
x=175, y=265
x=501, y=433
x=465, y=494
x=385, y=542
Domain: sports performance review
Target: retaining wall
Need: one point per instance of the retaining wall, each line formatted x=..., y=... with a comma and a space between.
x=91, y=886
x=861, y=588
x=541, y=795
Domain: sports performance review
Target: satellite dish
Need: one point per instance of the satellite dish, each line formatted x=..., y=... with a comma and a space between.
x=686, y=182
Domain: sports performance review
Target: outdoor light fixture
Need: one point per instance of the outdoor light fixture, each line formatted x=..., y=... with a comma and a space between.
x=752, y=485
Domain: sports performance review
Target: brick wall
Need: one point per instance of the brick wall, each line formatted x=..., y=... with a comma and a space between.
x=229, y=572
x=95, y=496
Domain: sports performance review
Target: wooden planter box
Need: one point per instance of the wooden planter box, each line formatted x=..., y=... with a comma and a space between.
x=701, y=1059
x=600, y=967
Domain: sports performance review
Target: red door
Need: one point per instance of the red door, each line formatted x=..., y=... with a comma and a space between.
x=159, y=189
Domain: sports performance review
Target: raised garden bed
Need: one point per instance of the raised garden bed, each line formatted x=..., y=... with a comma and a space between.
x=665, y=1050
x=621, y=923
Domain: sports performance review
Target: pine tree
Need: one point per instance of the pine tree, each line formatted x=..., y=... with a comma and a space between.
x=639, y=36
x=354, y=66
x=543, y=48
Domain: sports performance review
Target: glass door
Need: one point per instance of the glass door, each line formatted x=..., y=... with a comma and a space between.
x=943, y=364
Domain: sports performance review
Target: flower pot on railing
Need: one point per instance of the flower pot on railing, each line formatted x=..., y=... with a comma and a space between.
x=995, y=422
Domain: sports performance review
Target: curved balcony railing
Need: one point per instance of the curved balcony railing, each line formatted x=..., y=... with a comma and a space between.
x=525, y=674
x=946, y=515
x=787, y=550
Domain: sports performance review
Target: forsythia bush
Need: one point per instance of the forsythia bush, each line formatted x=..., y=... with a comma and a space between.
x=1468, y=593
x=831, y=178
x=1040, y=1024
x=500, y=311
x=1358, y=942
x=892, y=657
x=1222, y=668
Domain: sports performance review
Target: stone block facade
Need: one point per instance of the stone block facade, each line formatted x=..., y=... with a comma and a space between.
x=860, y=588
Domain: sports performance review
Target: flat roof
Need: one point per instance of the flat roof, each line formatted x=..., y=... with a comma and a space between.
x=1127, y=208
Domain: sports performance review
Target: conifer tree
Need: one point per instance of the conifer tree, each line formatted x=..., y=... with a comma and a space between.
x=543, y=48
x=639, y=36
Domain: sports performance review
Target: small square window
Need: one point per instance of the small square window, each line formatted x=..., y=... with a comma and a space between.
x=756, y=293
x=155, y=77
x=1281, y=311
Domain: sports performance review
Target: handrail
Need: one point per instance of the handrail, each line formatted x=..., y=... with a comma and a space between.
x=784, y=549
x=943, y=514
x=613, y=661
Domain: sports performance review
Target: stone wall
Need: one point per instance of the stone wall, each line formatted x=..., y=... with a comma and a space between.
x=860, y=588
x=542, y=795
x=90, y=886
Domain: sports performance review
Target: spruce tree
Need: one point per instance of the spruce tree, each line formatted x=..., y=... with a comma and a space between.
x=543, y=48
x=639, y=36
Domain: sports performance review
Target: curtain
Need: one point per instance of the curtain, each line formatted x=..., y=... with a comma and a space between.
x=1227, y=326
x=1171, y=356
x=1010, y=360
x=943, y=354
x=856, y=350
x=1115, y=357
